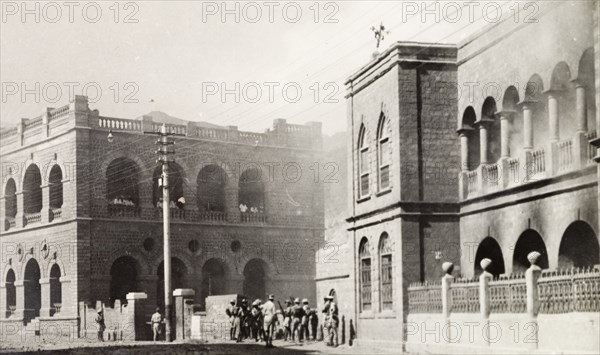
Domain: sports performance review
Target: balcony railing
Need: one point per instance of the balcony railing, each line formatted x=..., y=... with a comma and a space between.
x=465, y=295
x=538, y=162
x=212, y=216
x=253, y=217
x=425, y=297
x=565, y=155
x=507, y=294
x=591, y=149
x=570, y=290
x=123, y=211
x=471, y=179
x=55, y=213
x=32, y=218
x=9, y=223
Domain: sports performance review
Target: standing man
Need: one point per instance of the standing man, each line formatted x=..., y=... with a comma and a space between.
x=268, y=312
x=256, y=323
x=287, y=321
x=297, y=313
x=240, y=320
x=101, y=325
x=313, y=323
x=332, y=321
x=156, y=320
x=304, y=324
x=231, y=314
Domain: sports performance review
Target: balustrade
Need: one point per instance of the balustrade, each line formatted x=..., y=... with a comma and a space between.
x=55, y=213
x=565, y=155
x=471, y=182
x=591, y=149
x=32, y=218
x=120, y=124
x=465, y=295
x=425, y=297
x=123, y=211
x=212, y=216
x=253, y=217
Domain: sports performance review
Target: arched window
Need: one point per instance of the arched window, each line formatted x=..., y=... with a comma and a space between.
x=387, y=276
x=492, y=124
x=529, y=241
x=578, y=246
x=55, y=290
x=363, y=162
x=122, y=182
x=10, y=204
x=11, y=293
x=56, y=187
x=471, y=153
x=32, y=190
x=211, y=189
x=255, y=279
x=252, y=191
x=364, y=256
x=490, y=249
x=384, y=153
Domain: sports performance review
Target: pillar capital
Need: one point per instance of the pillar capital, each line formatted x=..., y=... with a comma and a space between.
x=505, y=114
x=554, y=92
x=579, y=83
x=527, y=104
x=465, y=130
x=483, y=122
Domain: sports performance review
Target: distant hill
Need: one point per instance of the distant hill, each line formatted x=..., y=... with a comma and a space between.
x=159, y=116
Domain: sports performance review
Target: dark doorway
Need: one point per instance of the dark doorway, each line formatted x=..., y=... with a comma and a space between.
x=55, y=290
x=254, y=279
x=529, y=241
x=213, y=280
x=578, y=246
x=123, y=278
x=33, y=294
x=489, y=248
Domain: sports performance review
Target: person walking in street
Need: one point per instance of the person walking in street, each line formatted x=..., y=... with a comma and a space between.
x=304, y=324
x=297, y=313
x=268, y=316
x=331, y=311
x=101, y=325
x=230, y=311
x=287, y=321
x=156, y=321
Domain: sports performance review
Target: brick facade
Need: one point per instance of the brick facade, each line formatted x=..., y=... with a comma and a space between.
x=92, y=233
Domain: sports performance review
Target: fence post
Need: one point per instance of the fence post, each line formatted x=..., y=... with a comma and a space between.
x=484, y=298
x=447, y=279
x=533, y=302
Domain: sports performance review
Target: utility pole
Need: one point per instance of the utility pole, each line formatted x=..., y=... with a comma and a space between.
x=164, y=152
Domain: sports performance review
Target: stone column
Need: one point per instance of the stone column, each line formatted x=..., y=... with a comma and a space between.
x=45, y=203
x=447, y=279
x=581, y=104
x=136, y=326
x=505, y=121
x=527, y=107
x=463, y=133
x=483, y=140
x=3, y=306
x=45, y=309
x=553, y=115
x=533, y=303
x=182, y=317
x=232, y=204
x=20, y=291
x=19, y=222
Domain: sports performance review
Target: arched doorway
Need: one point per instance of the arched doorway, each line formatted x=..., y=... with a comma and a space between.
x=11, y=292
x=55, y=290
x=213, y=279
x=33, y=291
x=255, y=274
x=578, y=246
x=529, y=241
x=10, y=204
x=489, y=248
x=211, y=189
x=176, y=180
x=56, y=187
x=492, y=124
x=123, y=278
x=122, y=179
x=472, y=136
x=178, y=273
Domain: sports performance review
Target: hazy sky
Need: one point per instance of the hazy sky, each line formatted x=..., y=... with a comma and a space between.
x=179, y=56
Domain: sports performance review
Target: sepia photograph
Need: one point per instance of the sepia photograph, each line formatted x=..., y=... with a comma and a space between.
x=300, y=177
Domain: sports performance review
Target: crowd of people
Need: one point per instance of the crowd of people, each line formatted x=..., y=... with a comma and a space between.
x=123, y=201
x=300, y=323
x=180, y=203
x=252, y=209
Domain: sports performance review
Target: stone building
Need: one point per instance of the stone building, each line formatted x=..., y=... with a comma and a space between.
x=484, y=149
x=81, y=215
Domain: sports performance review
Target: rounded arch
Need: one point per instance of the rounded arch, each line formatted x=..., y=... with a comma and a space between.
x=534, y=88
x=578, y=246
x=386, y=271
x=252, y=190
x=530, y=240
x=50, y=264
x=211, y=182
x=384, y=152
x=488, y=115
x=55, y=177
x=510, y=99
x=10, y=292
x=10, y=203
x=561, y=77
x=363, y=161
x=469, y=118
x=122, y=180
x=33, y=290
x=124, y=273
x=585, y=76
x=179, y=273
x=255, y=278
x=490, y=249
x=55, y=289
x=138, y=256
x=176, y=181
x=364, y=254
x=32, y=189
x=214, y=279
x=364, y=249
